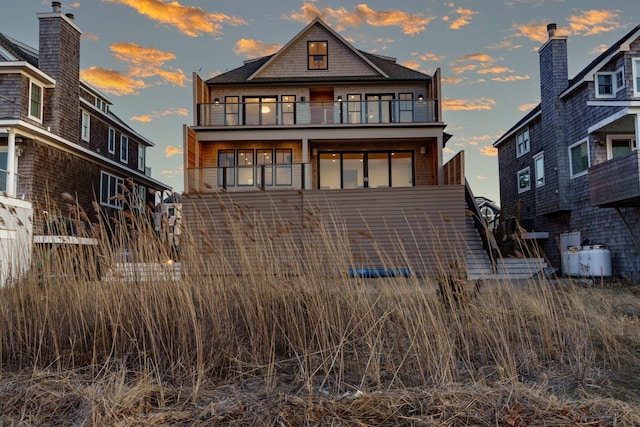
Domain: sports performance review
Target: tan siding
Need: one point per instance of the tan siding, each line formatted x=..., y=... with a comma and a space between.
x=419, y=228
x=342, y=60
x=454, y=170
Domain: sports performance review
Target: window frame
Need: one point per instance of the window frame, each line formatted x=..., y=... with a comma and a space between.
x=112, y=201
x=586, y=170
x=124, y=148
x=612, y=83
x=520, y=173
x=325, y=62
x=288, y=109
x=538, y=159
x=232, y=110
x=526, y=142
x=354, y=107
x=620, y=79
x=111, y=141
x=142, y=156
x=40, y=101
x=635, y=65
x=405, y=99
x=633, y=145
x=85, y=130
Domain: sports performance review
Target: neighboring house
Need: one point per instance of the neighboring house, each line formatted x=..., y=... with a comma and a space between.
x=169, y=219
x=320, y=123
x=489, y=211
x=573, y=163
x=59, y=135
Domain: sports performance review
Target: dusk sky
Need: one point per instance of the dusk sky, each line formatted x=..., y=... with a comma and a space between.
x=142, y=53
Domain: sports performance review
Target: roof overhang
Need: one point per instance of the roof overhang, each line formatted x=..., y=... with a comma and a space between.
x=24, y=68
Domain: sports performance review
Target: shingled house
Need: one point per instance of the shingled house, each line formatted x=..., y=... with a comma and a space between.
x=320, y=125
x=570, y=168
x=60, y=135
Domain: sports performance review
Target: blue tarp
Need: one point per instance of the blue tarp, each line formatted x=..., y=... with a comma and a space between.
x=379, y=272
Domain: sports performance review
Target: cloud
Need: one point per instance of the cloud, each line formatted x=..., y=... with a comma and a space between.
x=90, y=36
x=536, y=31
x=112, y=81
x=478, y=104
x=527, y=107
x=429, y=57
x=463, y=19
x=251, y=48
x=489, y=151
x=495, y=70
x=481, y=177
x=599, y=49
x=171, y=151
x=144, y=63
x=592, y=22
x=452, y=80
x=507, y=44
x=410, y=63
x=507, y=79
x=410, y=23
x=459, y=69
x=147, y=118
x=190, y=20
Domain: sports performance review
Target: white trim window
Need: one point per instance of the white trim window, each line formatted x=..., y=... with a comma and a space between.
x=36, y=94
x=538, y=162
x=140, y=194
x=112, y=140
x=635, y=62
x=579, y=161
x=124, y=149
x=86, y=126
x=619, y=145
x=523, y=145
x=524, y=180
x=620, y=80
x=141, y=156
x=111, y=190
x=605, y=85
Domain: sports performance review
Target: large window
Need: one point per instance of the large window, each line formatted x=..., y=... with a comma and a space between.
x=244, y=167
x=124, y=149
x=354, y=108
x=111, y=190
x=318, y=55
x=605, y=85
x=365, y=170
x=579, y=158
x=288, y=109
x=260, y=110
x=522, y=142
x=35, y=101
x=226, y=168
x=86, y=126
x=112, y=140
x=524, y=180
x=406, y=107
x=538, y=161
x=379, y=108
x=619, y=145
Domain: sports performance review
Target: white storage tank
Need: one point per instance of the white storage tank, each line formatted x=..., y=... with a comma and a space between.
x=571, y=261
x=595, y=261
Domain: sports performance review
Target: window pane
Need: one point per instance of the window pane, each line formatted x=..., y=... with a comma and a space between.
x=539, y=162
x=354, y=108
x=378, y=169
x=620, y=147
x=268, y=111
x=264, y=157
x=232, y=110
x=288, y=109
x=352, y=170
x=245, y=167
x=226, y=159
x=579, y=159
x=317, y=52
x=283, y=166
x=524, y=180
x=251, y=111
x=401, y=170
x=605, y=86
x=329, y=170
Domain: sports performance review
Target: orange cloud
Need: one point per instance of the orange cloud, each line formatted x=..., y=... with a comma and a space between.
x=481, y=177
x=90, y=36
x=527, y=107
x=410, y=23
x=190, y=20
x=495, y=70
x=112, y=81
x=507, y=79
x=463, y=19
x=254, y=48
x=452, y=80
x=142, y=119
x=489, y=151
x=507, y=44
x=430, y=57
x=146, y=62
x=536, y=32
x=171, y=151
x=462, y=68
x=591, y=22
x=155, y=114
x=479, y=104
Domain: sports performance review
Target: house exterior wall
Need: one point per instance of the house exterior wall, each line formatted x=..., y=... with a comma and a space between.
x=563, y=204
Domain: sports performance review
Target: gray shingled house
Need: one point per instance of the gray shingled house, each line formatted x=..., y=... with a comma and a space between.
x=570, y=168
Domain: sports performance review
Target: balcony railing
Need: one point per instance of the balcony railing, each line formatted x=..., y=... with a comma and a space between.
x=4, y=176
x=302, y=113
x=616, y=182
x=265, y=177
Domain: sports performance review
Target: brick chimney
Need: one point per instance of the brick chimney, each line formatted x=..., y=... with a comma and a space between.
x=59, y=57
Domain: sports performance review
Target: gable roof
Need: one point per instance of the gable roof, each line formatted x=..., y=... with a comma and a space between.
x=386, y=68
x=319, y=22
x=19, y=51
x=603, y=58
x=537, y=110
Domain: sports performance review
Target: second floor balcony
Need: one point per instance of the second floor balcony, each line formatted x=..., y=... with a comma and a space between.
x=616, y=182
x=271, y=112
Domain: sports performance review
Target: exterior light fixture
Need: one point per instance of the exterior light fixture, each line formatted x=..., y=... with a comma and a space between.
x=339, y=99
x=420, y=98
x=216, y=101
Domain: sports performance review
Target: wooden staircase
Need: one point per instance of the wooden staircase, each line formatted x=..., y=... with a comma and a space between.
x=479, y=265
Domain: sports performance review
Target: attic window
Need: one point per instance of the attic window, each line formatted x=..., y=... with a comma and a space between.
x=317, y=55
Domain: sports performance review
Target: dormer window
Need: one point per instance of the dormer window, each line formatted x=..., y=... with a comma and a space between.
x=317, y=54
x=609, y=83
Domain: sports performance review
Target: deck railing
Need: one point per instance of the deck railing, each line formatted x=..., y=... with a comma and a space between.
x=304, y=113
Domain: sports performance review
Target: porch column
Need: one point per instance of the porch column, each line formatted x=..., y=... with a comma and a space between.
x=11, y=164
x=439, y=151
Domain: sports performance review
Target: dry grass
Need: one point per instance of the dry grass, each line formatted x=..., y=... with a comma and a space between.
x=275, y=349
